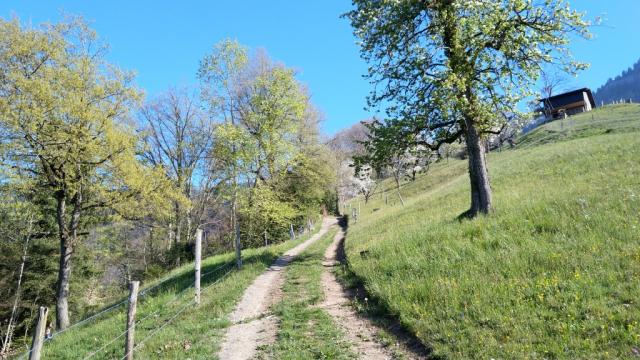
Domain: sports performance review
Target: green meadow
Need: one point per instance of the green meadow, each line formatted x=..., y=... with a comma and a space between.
x=553, y=273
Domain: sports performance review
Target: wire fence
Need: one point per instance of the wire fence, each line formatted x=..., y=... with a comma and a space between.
x=141, y=295
x=168, y=321
x=99, y=350
x=166, y=305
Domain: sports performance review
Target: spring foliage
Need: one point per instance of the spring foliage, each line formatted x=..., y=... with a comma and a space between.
x=446, y=69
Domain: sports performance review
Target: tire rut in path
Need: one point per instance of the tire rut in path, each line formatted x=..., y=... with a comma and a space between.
x=360, y=331
x=252, y=325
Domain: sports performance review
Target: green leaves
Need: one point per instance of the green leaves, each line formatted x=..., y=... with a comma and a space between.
x=221, y=74
x=437, y=62
x=64, y=112
x=267, y=139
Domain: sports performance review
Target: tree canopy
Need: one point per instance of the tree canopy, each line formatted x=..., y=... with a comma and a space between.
x=446, y=69
x=64, y=113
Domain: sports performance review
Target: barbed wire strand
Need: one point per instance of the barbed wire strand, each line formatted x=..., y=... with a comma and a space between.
x=142, y=294
x=167, y=322
x=105, y=345
x=177, y=296
x=108, y=309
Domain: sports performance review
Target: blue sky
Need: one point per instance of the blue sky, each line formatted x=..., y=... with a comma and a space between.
x=164, y=40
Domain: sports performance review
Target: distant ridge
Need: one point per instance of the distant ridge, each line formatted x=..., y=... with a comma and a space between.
x=624, y=87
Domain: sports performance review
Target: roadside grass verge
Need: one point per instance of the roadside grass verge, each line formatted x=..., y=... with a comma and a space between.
x=390, y=332
x=306, y=331
x=552, y=274
x=169, y=324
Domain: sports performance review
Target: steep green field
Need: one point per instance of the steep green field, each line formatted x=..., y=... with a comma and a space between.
x=554, y=273
x=168, y=323
x=605, y=120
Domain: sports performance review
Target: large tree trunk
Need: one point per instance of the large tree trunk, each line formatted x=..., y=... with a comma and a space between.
x=68, y=236
x=64, y=267
x=462, y=66
x=481, y=199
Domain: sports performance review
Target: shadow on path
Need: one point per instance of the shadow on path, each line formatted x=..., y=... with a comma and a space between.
x=372, y=308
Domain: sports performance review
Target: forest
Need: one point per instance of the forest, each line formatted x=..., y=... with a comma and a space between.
x=622, y=88
x=100, y=185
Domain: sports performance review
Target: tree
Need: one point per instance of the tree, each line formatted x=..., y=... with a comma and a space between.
x=396, y=158
x=448, y=69
x=551, y=83
x=64, y=110
x=509, y=131
x=178, y=137
x=309, y=180
x=345, y=146
x=417, y=160
x=263, y=108
x=365, y=183
x=221, y=74
x=271, y=118
x=17, y=227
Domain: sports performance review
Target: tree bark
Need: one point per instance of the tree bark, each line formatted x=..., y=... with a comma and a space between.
x=178, y=233
x=481, y=197
x=236, y=229
x=461, y=66
x=64, y=266
x=68, y=235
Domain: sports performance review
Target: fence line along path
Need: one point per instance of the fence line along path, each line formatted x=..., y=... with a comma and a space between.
x=251, y=327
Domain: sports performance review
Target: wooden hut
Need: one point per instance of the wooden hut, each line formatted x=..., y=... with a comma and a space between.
x=567, y=104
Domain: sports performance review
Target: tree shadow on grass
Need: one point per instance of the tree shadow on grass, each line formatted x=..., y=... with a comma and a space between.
x=210, y=273
x=179, y=283
x=374, y=308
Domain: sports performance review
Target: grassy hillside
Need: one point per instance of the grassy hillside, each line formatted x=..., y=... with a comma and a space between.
x=604, y=120
x=169, y=325
x=553, y=273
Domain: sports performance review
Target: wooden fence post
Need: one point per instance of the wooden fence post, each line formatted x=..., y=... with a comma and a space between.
x=38, y=334
x=131, y=320
x=197, y=264
x=291, y=232
x=265, y=239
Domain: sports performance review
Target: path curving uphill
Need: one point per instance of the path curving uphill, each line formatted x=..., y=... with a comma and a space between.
x=252, y=325
x=359, y=330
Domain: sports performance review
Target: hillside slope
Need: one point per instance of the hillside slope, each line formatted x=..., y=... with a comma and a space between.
x=168, y=323
x=553, y=273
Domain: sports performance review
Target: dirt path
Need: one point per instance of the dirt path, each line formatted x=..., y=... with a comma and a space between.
x=359, y=331
x=252, y=325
